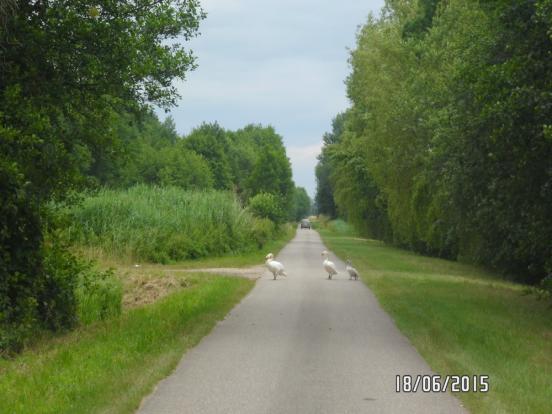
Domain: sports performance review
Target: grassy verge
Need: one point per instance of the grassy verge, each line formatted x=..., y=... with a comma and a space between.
x=110, y=366
x=462, y=319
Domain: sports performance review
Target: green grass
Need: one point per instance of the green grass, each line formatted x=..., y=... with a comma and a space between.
x=111, y=365
x=462, y=320
x=250, y=258
x=164, y=225
x=255, y=256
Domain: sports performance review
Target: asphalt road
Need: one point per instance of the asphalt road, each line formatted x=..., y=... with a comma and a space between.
x=301, y=345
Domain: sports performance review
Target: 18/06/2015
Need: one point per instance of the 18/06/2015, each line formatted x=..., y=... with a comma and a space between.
x=438, y=383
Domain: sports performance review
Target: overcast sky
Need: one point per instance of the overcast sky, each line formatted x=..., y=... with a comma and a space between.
x=273, y=62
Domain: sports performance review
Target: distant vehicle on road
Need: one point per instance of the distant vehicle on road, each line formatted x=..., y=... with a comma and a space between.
x=305, y=224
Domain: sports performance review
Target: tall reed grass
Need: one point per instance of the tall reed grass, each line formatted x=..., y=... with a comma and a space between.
x=167, y=224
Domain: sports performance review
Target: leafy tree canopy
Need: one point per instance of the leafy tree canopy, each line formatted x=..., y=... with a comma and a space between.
x=68, y=68
x=446, y=148
x=64, y=66
x=302, y=204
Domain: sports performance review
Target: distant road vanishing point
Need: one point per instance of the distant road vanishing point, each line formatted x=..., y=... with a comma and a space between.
x=303, y=345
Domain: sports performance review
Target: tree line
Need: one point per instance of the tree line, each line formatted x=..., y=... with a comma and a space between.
x=446, y=148
x=78, y=81
x=251, y=162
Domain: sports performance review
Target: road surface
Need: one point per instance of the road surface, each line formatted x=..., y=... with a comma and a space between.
x=300, y=345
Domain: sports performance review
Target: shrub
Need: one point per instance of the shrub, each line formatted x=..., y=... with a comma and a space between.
x=38, y=279
x=321, y=221
x=20, y=258
x=543, y=291
x=263, y=231
x=73, y=291
x=267, y=205
x=99, y=295
x=57, y=303
x=340, y=227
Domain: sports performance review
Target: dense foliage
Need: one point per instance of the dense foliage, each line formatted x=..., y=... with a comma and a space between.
x=302, y=204
x=447, y=147
x=159, y=224
x=67, y=68
x=267, y=205
x=248, y=161
x=324, y=199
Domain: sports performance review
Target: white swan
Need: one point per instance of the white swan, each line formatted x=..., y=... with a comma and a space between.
x=329, y=266
x=276, y=268
x=353, y=273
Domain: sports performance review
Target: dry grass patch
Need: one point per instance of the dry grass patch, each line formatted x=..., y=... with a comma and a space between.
x=144, y=288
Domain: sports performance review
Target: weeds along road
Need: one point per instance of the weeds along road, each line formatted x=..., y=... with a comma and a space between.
x=304, y=344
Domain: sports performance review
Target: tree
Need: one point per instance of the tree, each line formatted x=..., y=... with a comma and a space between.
x=302, y=205
x=246, y=146
x=211, y=142
x=499, y=150
x=324, y=198
x=269, y=206
x=184, y=168
x=446, y=147
x=272, y=174
x=65, y=69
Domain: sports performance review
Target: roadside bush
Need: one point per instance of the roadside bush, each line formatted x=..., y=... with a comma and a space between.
x=321, y=221
x=340, y=227
x=57, y=303
x=543, y=291
x=74, y=291
x=20, y=258
x=263, y=231
x=267, y=205
x=99, y=295
x=546, y=286
x=38, y=279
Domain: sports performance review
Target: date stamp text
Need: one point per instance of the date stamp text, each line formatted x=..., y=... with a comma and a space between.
x=438, y=383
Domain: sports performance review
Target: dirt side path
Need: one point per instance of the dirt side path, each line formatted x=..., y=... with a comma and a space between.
x=145, y=285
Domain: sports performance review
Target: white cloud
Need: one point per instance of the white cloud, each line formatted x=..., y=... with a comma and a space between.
x=304, y=154
x=277, y=62
x=297, y=83
x=303, y=159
